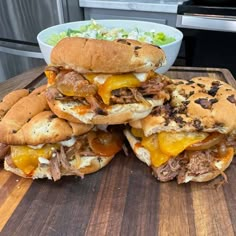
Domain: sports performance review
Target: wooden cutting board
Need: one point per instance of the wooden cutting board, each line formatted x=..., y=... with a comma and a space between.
x=121, y=199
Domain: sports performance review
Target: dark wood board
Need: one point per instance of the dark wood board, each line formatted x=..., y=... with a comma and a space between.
x=121, y=199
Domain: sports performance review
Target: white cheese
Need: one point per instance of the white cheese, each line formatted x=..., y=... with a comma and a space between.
x=141, y=76
x=101, y=78
x=36, y=147
x=43, y=160
x=68, y=143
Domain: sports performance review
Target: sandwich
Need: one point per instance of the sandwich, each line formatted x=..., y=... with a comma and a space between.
x=105, y=82
x=35, y=143
x=191, y=137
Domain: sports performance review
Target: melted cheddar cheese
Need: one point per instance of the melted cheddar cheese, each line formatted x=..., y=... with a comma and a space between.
x=116, y=82
x=165, y=145
x=26, y=158
x=105, y=83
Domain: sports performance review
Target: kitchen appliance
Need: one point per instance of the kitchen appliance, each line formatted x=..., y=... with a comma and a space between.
x=20, y=22
x=209, y=28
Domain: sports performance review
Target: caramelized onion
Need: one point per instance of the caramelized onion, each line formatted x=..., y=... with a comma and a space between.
x=105, y=143
x=222, y=149
x=210, y=141
x=73, y=84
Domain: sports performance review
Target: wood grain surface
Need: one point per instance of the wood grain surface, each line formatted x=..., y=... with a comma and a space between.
x=122, y=198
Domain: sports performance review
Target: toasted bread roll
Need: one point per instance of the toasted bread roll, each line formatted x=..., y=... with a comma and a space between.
x=192, y=137
x=201, y=103
x=101, y=56
x=10, y=99
x=30, y=121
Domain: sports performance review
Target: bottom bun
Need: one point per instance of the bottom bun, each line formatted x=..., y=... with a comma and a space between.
x=74, y=111
x=78, y=167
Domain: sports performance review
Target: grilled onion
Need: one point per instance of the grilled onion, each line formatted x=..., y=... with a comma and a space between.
x=105, y=143
x=210, y=141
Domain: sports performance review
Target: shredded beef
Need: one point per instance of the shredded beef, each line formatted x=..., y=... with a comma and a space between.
x=55, y=167
x=122, y=96
x=199, y=162
x=59, y=164
x=66, y=164
x=168, y=171
x=152, y=86
x=96, y=105
x=193, y=163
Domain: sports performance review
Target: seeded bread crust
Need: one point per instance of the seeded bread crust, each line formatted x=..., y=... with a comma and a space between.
x=200, y=104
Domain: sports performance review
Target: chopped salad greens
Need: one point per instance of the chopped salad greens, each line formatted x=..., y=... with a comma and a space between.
x=97, y=31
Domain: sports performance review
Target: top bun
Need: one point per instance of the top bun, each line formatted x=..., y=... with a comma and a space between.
x=199, y=104
x=102, y=56
x=22, y=123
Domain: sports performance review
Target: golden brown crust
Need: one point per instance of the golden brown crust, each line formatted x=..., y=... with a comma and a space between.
x=23, y=110
x=101, y=56
x=44, y=127
x=10, y=99
x=29, y=121
x=201, y=103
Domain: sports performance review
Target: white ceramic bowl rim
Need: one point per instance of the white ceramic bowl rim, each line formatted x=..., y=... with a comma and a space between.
x=178, y=36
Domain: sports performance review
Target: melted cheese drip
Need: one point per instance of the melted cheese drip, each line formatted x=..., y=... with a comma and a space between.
x=166, y=145
x=27, y=159
x=101, y=78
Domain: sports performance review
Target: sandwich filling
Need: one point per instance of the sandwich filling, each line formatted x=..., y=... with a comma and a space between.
x=73, y=156
x=98, y=92
x=181, y=154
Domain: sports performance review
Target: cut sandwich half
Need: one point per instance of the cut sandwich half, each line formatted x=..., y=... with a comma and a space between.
x=35, y=143
x=105, y=82
x=193, y=136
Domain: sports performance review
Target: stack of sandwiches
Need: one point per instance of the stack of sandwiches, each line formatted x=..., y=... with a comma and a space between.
x=99, y=92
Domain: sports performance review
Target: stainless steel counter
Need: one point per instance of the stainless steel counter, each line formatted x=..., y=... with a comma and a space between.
x=164, y=6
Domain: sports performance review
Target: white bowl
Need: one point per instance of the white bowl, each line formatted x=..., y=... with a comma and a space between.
x=171, y=50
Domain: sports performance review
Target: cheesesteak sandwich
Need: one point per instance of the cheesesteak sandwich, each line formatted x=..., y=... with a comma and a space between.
x=105, y=82
x=192, y=137
x=37, y=144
